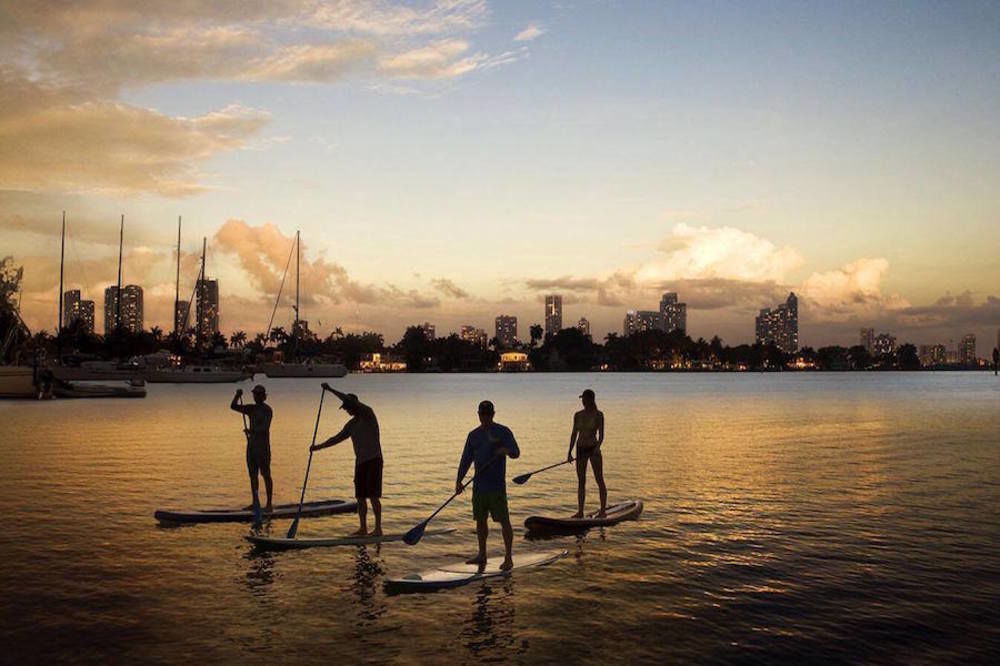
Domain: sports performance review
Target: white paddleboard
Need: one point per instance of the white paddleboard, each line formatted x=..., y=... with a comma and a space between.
x=280, y=543
x=454, y=575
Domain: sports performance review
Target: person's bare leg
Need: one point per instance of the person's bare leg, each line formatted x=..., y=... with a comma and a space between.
x=581, y=488
x=362, y=517
x=269, y=489
x=254, y=497
x=377, y=510
x=598, y=464
x=482, y=532
x=508, y=544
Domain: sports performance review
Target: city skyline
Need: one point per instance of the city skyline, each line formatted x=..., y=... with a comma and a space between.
x=722, y=168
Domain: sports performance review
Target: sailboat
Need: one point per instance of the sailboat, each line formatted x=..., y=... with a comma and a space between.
x=298, y=368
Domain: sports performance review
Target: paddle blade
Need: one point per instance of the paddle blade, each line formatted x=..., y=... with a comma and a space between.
x=294, y=528
x=520, y=480
x=413, y=536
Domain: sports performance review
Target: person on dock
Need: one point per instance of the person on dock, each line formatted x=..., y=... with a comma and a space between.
x=996, y=360
x=258, y=443
x=489, y=446
x=362, y=428
x=588, y=435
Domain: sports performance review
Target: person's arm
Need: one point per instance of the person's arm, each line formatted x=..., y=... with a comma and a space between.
x=463, y=465
x=600, y=428
x=336, y=439
x=342, y=396
x=572, y=440
x=512, y=449
x=235, y=404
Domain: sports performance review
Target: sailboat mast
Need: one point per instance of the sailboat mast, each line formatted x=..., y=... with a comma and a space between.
x=200, y=291
x=177, y=284
x=118, y=296
x=298, y=253
x=62, y=261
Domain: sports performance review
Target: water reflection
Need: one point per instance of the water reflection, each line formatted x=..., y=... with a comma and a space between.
x=490, y=633
x=367, y=571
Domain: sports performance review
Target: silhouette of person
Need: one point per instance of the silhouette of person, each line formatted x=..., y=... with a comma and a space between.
x=588, y=435
x=488, y=446
x=363, y=430
x=996, y=360
x=258, y=443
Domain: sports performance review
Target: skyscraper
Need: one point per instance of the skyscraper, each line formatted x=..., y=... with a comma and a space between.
x=110, y=309
x=181, y=316
x=429, y=330
x=71, y=307
x=86, y=316
x=674, y=313
x=506, y=330
x=631, y=323
x=583, y=326
x=867, y=339
x=207, y=308
x=553, y=314
x=967, y=350
x=476, y=336
x=130, y=309
x=780, y=326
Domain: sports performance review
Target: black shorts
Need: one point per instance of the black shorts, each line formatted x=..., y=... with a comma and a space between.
x=259, y=460
x=583, y=456
x=368, y=479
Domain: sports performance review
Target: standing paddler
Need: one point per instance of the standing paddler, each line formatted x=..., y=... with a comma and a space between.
x=588, y=435
x=362, y=428
x=258, y=442
x=489, y=446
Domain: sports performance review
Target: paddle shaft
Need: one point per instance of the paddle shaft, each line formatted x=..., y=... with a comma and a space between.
x=522, y=478
x=295, y=523
x=464, y=486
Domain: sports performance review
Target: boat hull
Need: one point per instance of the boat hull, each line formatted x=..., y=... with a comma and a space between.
x=185, y=377
x=278, y=370
x=18, y=382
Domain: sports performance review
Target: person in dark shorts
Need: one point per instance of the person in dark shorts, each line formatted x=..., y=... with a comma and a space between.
x=362, y=428
x=258, y=442
x=588, y=435
x=489, y=446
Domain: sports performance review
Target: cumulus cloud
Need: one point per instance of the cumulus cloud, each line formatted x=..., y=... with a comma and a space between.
x=449, y=288
x=852, y=290
x=533, y=31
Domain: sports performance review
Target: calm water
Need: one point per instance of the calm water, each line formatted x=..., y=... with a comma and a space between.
x=842, y=517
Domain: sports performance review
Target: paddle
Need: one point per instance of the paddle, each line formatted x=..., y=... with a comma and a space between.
x=414, y=535
x=295, y=523
x=523, y=478
x=258, y=518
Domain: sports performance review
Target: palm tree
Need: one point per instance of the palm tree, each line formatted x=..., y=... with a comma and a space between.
x=238, y=340
x=157, y=334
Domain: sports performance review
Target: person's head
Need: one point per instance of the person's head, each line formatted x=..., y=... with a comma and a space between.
x=350, y=404
x=589, y=399
x=259, y=394
x=486, y=412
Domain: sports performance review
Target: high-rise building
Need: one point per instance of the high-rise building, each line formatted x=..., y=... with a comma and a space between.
x=506, y=330
x=583, y=326
x=932, y=355
x=129, y=309
x=207, y=308
x=553, y=314
x=71, y=307
x=428, y=329
x=649, y=320
x=181, y=316
x=631, y=323
x=780, y=326
x=476, y=336
x=674, y=313
x=967, y=350
x=86, y=315
x=867, y=339
x=884, y=344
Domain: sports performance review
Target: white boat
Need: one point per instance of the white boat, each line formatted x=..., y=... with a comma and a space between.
x=18, y=381
x=62, y=389
x=195, y=374
x=303, y=369
x=97, y=371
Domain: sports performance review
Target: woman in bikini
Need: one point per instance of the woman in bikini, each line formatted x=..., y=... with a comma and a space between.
x=588, y=435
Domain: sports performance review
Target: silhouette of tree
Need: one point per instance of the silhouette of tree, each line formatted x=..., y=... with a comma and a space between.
x=238, y=340
x=907, y=357
x=536, y=331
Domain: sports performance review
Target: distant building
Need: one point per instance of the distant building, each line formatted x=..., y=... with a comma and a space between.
x=583, y=326
x=181, y=316
x=884, y=344
x=513, y=361
x=429, y=331
x=71, y=307
x=867, y=339
x=631, y=323
x=932, y=355
x=649, y=320
x=780, y=326
x=476, y=336
x=86, y=315
x=674, y=314
x=967, y=350
x=506, y=330
x=553, y=314
x=207, y=308
x=130, y=309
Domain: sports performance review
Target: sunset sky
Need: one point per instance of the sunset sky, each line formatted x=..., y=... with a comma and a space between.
x=451, y=160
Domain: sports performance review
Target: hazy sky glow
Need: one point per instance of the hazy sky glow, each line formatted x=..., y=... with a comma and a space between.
x=450, y=160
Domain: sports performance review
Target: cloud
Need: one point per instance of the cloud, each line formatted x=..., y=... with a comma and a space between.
x=449, y=288
x=533, y=31
x=312, y=63
x=852, y=290
x=438, y=60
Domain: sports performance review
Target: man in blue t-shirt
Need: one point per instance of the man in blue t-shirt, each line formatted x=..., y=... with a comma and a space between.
x=488, y=446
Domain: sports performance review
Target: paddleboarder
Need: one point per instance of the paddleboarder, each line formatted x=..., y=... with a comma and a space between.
x=489, y=446
x=588, y=435
x=258, y=442
x=362, y=428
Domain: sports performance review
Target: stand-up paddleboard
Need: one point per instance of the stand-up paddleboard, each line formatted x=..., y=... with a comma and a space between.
x=282, y=543
x=309, y=509
x=455, y=575
x=615, y=513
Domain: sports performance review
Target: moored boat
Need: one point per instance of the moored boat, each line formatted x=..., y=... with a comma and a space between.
x=63, y=389
x=195, y=374
x=19, y=381
x=303, y=369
